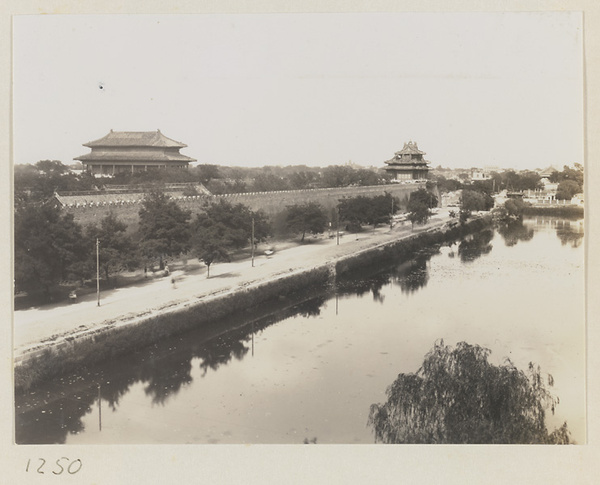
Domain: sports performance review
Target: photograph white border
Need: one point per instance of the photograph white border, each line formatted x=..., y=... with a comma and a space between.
x=296, y=463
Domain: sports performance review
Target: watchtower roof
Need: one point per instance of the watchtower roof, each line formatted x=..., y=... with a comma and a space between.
x=410, y=148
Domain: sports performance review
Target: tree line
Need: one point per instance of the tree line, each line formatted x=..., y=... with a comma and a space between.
x=51, y=247
x=569, y=180
x=42, y=179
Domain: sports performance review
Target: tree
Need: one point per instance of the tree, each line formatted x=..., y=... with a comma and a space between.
x=116, y=247
x=224, y=227
x=309, y=217
x=220, y=186
x=210, y=241
x=457, y=396
x=207, y=172
x=573, y=174
x=364, y=176
x=471, y=200
x=355, y=211
x=238, y=219
x=424, y=196
x=267, y=182
x=39, y=182
x=567, y=189
x=368, y=210
x=164, y=229
x=339, y=176
x=302, y=180
x=512, y=210
x=419, y=206
x=446, y=185
x=48, y=246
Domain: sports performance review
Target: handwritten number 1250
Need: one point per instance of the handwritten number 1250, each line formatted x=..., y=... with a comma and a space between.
x=72, y=468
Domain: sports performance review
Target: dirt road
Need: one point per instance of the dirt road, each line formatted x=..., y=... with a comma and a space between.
x=35, y=325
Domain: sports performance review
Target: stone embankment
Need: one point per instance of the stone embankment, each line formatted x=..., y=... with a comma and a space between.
x=88, y=344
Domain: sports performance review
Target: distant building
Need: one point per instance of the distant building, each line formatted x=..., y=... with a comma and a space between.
x=408, y=163
x=478, y=174
x=133, y=151
x=548, y=171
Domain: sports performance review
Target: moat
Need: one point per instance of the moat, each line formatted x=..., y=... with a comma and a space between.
x=309, y=370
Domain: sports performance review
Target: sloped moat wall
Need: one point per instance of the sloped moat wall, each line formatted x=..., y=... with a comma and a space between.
x=118, y=337
x=269, y=202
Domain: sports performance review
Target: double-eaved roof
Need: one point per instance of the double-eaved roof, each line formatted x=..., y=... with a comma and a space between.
x=126, y=148
x=127, y=156
x=135, y=139
x=408, y=156
x=410, y=148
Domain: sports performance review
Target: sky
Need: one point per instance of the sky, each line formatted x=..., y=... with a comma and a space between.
x=472, y=89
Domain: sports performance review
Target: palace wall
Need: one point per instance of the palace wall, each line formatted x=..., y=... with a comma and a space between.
x=93, y=209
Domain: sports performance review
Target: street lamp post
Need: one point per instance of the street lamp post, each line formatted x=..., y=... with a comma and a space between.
x=98, y=269
x=253, y=242
x=337, y=226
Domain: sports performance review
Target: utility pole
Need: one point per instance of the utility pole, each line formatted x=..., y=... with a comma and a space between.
x=99, y=409
x=392, y=215
x=98, y=269
x=337, y=226
x=253, y=242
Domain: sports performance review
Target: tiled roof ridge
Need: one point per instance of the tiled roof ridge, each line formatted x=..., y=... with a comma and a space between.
x=135, y=138
x=410, y=147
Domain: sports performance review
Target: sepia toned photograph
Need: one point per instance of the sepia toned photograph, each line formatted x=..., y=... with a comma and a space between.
x=300, y=229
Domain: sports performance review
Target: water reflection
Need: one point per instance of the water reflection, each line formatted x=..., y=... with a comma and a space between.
x=49, y=413
x=569, y=232
x=475, y=246
x=310, y=308
x=55, y=410
x=166, y=374
x=410, y=276
x=413, y=275
x=516, y=231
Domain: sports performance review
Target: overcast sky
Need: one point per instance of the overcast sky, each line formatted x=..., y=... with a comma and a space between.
x=486, y=89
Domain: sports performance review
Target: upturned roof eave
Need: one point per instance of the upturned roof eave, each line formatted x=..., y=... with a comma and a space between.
x=119, y=139
x=88, y=157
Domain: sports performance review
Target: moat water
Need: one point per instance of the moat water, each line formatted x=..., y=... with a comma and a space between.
x=309, y=370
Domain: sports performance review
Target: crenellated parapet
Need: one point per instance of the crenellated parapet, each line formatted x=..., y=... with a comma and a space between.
x=91, y=207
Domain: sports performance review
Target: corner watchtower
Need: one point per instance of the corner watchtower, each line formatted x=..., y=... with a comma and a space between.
x=408, y=163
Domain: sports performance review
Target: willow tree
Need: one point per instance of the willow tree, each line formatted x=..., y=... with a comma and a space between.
x=457, y=396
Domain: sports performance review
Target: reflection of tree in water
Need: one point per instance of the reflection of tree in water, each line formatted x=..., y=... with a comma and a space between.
x=51, y=426
x=417, y=275
x=457, y=396
x=220, y=351
x=166, y=374
x=366, y=284
x=475, y=246
x=310, y=308
x=569, y=233
x=514, y=232
x=53, y=410
x=410, y=276
x=56, y=408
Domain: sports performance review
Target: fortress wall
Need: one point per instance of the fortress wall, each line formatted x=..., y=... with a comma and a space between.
x=269, y=202
x=273, y=202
